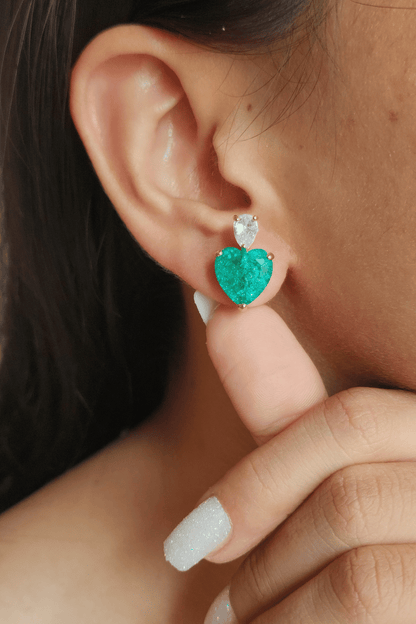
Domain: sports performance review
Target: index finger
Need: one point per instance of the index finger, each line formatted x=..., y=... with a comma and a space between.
x=268, y=376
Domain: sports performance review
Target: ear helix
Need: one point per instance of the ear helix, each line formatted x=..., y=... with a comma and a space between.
x=243, y=275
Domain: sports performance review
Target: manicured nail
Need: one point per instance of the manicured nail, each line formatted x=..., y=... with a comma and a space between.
x=221, y=611
x=205, y=305
x=205, y=528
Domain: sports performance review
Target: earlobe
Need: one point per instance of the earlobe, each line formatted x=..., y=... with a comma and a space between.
x=151, y=141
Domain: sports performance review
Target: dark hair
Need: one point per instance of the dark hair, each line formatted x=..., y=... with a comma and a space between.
x=89, y=321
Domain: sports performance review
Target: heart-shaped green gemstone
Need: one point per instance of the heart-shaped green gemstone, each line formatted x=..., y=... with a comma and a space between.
x=242, y=274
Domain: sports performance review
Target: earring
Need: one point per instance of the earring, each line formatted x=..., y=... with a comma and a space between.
x=242, y=274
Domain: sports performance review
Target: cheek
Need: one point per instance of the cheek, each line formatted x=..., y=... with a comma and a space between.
x=348, y=181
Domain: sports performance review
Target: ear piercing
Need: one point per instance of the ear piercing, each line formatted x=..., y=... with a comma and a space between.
x=242, y=274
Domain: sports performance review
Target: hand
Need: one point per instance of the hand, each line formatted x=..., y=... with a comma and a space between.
x=332, y=486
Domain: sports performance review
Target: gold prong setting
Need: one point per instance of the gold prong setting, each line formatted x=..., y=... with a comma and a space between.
x=243, y=275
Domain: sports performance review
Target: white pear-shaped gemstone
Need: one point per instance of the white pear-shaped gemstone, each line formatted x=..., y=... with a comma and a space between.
x=245, y=230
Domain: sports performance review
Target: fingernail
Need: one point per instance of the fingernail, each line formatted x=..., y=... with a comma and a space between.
x=205, y=528
x=205, y=305
x=221, y=611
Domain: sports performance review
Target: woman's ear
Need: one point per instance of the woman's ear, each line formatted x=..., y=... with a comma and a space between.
x=160, y=119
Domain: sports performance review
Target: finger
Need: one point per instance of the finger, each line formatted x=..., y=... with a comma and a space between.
x=372, y=584
x=268, y=376
x=357, y=506
x=271, y=381
x=357, y=426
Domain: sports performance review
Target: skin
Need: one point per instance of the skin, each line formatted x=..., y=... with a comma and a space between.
x=333, y=185
x=353, y=144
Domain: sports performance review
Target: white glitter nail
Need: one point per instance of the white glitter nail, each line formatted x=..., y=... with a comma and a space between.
x=205, y=528
x=221, y=611
x=205, y=305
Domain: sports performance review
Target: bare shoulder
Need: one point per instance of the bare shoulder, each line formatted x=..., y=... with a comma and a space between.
x=88, y=548
x=85, y=548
